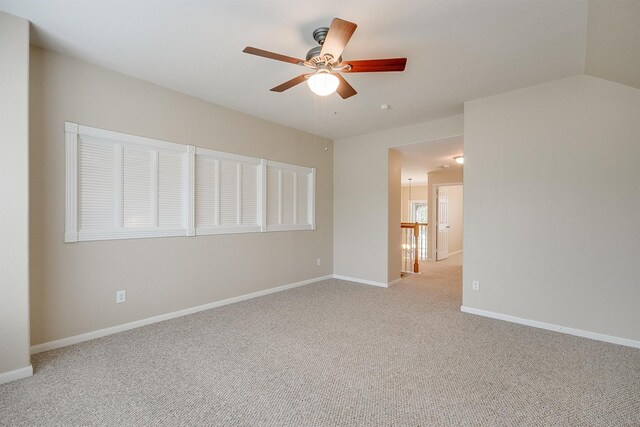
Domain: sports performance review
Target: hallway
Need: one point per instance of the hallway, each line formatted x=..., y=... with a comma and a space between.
x=453, y=261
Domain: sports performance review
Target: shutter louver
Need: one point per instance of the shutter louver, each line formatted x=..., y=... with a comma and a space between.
x=206, y=189
x=273, y=196
x=137, y=193
x=97, y=184
x=288, y=196
x=170, y=190
x=228, y=193
x=249, y=195
x=303, y=199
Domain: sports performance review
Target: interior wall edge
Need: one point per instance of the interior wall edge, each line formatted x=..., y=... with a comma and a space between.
x=16, y=374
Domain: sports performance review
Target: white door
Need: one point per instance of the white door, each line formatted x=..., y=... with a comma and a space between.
x=442, y=240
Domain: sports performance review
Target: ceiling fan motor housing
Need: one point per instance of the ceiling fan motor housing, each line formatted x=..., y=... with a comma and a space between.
x=313, y=56
x=319, y=34
x=314, y=53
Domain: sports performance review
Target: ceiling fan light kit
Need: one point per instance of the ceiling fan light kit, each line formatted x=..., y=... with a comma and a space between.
x=327, y=64
x=323, y=83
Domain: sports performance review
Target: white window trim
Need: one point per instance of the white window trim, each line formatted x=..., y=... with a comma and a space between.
x=72, y=195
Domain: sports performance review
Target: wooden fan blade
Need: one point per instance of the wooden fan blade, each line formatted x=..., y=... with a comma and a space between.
x=291, y=83
x=376, y=65
x=272, y=55
x=337, y=38
x=345, y=90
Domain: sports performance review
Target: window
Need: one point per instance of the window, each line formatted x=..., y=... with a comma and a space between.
x=122, y=186
x=227, y=193
x=290, y=196
x=418, y=211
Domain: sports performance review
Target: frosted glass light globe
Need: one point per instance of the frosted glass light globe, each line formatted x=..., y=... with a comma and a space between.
x=323, y=83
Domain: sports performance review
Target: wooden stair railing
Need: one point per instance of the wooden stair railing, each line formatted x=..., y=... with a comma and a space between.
x=416, y=233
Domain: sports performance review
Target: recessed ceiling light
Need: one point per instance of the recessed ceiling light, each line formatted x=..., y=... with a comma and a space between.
x=459, y=159
x=385, y=107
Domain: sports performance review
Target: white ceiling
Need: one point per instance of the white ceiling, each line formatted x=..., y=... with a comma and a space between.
x=456, y=50
x=419, y=159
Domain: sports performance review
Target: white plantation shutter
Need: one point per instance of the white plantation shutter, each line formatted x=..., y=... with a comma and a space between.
x=97, y=166
x=206, y=177
x=171, y=189
x=302, y=207
x=121, y=186
x=290, y=197
x=249, y=194
x=229, y=193
x=226, y=193
x=125, y=186
x=137, y=190
x=273, y=196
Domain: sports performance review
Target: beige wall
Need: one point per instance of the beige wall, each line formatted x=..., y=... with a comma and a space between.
x=453, y=175
x=418, y=192
x=361, y=196
x=73, y=285
x=551, y=205
x=613, y=32
x=14, y=195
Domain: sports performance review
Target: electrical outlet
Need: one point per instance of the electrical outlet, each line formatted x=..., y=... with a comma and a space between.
x=475, y=285
x=121, y=296
x=318, y=261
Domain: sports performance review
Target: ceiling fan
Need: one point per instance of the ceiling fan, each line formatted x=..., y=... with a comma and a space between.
x=327, y=64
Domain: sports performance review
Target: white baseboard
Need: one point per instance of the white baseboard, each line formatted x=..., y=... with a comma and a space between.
x=363, y=281
x=455, y=253
x=38, y=348
x=551, y=327
x=18, y=374
x=395, y=282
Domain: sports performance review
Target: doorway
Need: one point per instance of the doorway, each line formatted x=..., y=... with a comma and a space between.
x=424, y=167
x=449, y=220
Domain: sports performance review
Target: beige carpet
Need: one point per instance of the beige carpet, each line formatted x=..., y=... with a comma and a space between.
x=333, y=353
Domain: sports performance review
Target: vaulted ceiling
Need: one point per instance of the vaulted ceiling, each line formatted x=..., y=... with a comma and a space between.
x=456, y=50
